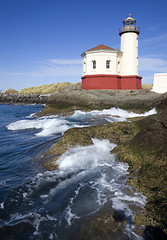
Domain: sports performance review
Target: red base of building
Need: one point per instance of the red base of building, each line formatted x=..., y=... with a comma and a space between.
x=102, y=81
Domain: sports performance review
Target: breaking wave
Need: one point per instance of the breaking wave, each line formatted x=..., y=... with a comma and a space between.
x=55, y=124
x=53, y=202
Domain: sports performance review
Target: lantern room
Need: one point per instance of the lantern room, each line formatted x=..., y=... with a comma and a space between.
x=129, y=25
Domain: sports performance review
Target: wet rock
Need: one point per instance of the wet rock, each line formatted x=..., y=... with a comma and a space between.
x=153, y=133
x=3, y=214
x=142, y=144
x=115, y=132
x=19, y=231
x=102, y=225
x=73, y=97
x=119, y=216
x=146, y=153
x=154, y=233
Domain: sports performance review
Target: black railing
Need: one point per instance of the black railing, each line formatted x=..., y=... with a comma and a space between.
x=129, y=28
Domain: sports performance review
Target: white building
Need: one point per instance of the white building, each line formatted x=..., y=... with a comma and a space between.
x=101, y=60
x=160, y=83
x=108, y=68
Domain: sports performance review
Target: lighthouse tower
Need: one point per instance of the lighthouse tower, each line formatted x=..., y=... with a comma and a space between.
x=129, y=47
x=108, y=68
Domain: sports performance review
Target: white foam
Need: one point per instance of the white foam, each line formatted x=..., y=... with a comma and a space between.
x=48, y=126
x=87, y=157
x=91, y=170
x=55, y=124
x=2, y=205
x=69, y=215
x=68, y=211
x=120, y=114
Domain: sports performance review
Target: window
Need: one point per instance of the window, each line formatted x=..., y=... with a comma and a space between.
x=118, y=67
x=94, y=64
x=84, y=67
x=108, y=64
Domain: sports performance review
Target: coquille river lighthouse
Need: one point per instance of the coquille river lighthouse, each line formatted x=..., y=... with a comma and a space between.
x=108, y=68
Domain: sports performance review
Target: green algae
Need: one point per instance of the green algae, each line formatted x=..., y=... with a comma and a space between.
x=135, y=146
x=148, y=173
x=115, y=132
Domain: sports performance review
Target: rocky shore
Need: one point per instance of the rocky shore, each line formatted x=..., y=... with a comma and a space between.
x=73, y=97
x=141, y=144
x=23, y=99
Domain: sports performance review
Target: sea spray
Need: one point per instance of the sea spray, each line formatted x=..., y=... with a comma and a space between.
x=55, y=202
x=56, y=124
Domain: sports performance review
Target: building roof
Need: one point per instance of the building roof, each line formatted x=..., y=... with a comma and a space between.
x=100, y=47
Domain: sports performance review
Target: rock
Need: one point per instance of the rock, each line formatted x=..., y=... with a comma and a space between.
x=146, y=153
x=153, y=133
x=73, y=97
x=141, y=144
x=17, y=231
x=23, y=99
x=154, y=233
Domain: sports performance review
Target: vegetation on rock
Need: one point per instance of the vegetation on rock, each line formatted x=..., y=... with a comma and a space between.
x=45, y=89
x=11, y=91
x=146, y=153
x=115, y=132
x=147, y=86
x=141, y=144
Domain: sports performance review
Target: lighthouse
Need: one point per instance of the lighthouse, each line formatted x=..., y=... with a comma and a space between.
x=129, y=47
x=108, y=68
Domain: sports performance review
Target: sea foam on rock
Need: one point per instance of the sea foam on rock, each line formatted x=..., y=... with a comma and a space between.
x=58, y=124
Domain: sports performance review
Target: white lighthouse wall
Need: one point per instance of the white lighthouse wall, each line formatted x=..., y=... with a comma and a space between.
x=160, y=83
x=101, y=57
x=129, y=47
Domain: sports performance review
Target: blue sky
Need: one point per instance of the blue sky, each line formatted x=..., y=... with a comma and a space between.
x=42, y=40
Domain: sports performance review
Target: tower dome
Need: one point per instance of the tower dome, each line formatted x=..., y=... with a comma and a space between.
x=129, y=25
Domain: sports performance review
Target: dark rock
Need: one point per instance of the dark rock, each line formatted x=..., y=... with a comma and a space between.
x=153, y=134
x=154, y=233
x=3, y=214
x=23, y=99
x=119, y=216
x=19, y=231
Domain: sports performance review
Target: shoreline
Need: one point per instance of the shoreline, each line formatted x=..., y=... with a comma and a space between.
x=140, y=160
x=137, y=141
x=23, y=99
x=136, y=146
x=73, y=98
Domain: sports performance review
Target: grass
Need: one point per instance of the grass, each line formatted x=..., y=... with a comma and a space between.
x=11, y=91
x=147, y=86
x=45, y=89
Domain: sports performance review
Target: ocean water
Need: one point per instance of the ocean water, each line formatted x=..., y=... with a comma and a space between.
x=40, y=204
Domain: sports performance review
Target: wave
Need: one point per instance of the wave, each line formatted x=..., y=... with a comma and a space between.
x=55, y=124
x=88, y=177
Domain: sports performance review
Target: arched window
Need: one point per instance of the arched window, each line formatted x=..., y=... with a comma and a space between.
x=108, y=64
x=94, y=64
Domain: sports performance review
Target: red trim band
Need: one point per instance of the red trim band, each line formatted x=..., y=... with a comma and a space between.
x=106, y=81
